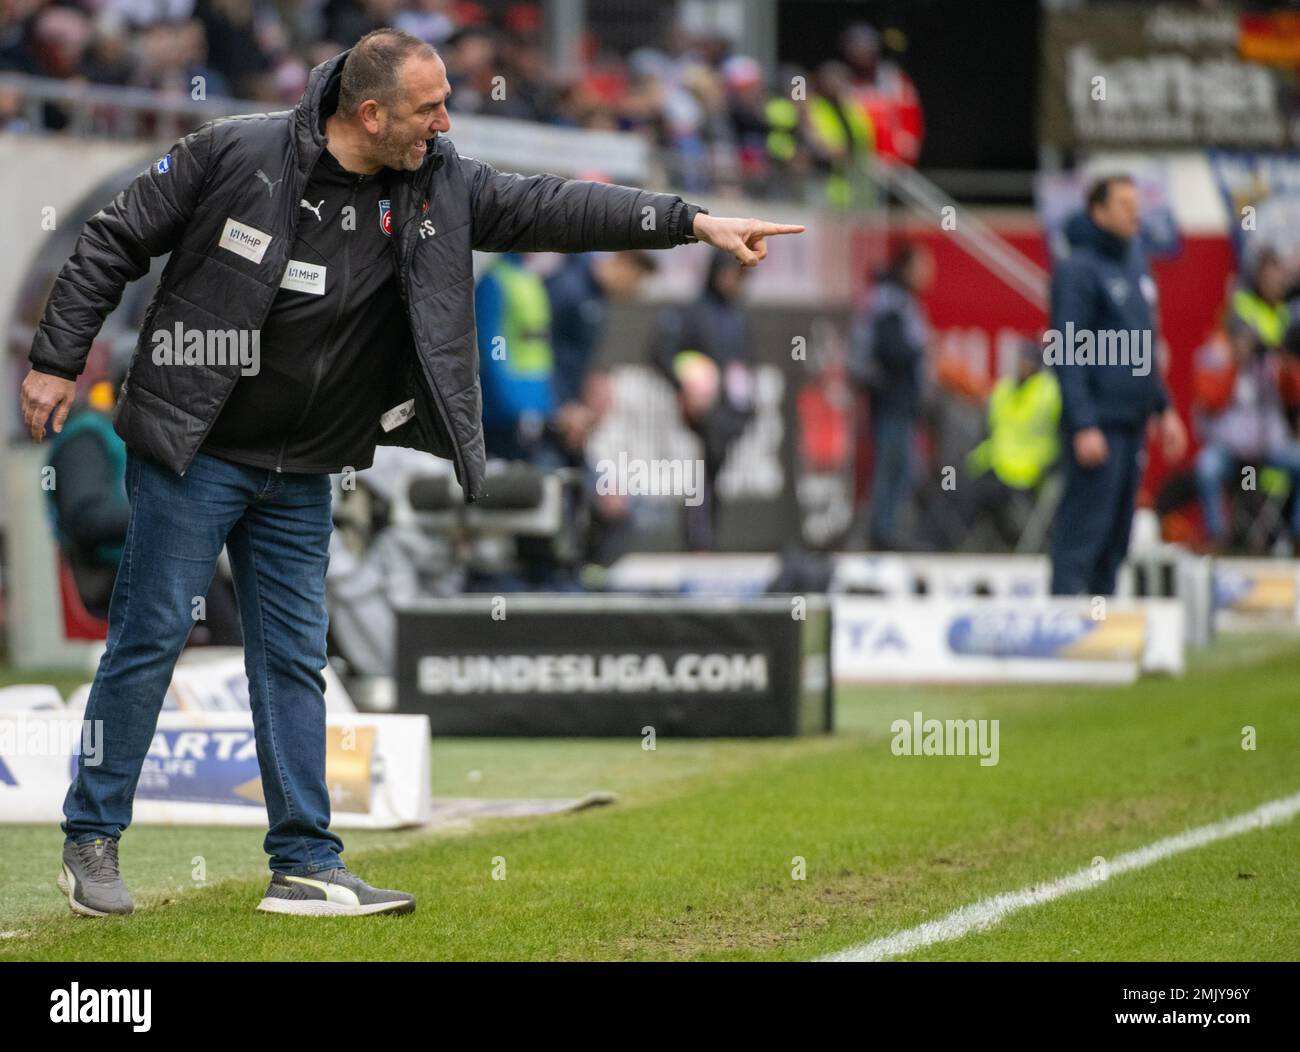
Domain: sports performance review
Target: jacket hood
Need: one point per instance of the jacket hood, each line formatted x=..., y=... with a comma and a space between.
x=1082, y=232
x=319, y=101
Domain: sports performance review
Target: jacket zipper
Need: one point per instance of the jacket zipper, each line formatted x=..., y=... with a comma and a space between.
x=318, y=369
x=403, y=260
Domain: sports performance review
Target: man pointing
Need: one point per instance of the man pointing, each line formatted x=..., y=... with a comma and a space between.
x=318, y=301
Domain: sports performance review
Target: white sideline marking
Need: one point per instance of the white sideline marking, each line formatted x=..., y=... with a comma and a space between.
x=988, y=912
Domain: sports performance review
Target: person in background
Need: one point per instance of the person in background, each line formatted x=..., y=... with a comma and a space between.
x=580, y=292
x=705, y=353
x=841, y=138
x=88, y=507
x=764, y=129
x=890, y=345
x=1240, y=377
x=1008, y=467
x=1108, y=410
x=886, y=94
x=516, y=364
x=89, y=512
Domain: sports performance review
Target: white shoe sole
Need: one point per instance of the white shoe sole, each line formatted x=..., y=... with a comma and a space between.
x=320, y=908
x=67, y=884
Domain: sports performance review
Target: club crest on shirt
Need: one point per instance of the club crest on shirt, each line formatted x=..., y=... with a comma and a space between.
x=386, y=217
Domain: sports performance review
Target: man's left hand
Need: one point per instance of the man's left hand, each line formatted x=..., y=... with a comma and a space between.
x=743, y=238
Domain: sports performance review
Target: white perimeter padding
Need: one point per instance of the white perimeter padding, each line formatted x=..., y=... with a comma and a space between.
x=1047, y=639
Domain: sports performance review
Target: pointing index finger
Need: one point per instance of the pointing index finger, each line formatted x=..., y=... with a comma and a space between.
x=765, y=228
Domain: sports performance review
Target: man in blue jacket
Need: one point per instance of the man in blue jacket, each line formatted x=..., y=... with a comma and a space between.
x=1101, y=345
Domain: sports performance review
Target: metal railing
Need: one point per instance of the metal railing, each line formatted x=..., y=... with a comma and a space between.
x=87, y=109
x=925, y=200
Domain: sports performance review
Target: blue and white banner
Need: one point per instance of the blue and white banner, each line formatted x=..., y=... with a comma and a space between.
x=202, y=769
x=1049, y=639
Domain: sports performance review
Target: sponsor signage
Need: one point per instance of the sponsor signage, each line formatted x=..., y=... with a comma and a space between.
x=1053, y=639
x=1168, y=77
x=552, y=665
x=201, y=769
x=1256, y=593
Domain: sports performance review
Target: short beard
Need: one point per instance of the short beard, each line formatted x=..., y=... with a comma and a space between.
x=393, y=153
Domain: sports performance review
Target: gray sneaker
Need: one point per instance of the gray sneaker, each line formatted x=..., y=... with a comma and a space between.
x=331, y=893
x=91, y=880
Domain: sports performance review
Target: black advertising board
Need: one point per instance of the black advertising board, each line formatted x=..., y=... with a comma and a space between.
x=612, y=666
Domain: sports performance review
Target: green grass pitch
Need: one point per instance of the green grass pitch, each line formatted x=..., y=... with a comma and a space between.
x=698, y=859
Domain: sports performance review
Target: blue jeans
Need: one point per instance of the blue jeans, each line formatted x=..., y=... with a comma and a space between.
x=277, y=529
x=1213, y=466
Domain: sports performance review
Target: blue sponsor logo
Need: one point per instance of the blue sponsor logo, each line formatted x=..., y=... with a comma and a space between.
x=6, y=775
x=1231, y=588
x=1012, y=633
x=202, y=766
x=164, y=166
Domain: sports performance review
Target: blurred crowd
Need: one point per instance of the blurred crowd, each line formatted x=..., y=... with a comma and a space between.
x=924, y=412
x=1246, y=476
x=723, y=122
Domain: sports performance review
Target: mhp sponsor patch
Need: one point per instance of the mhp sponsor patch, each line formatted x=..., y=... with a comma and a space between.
x=1049, y=634
x=304, y=277
x=246, y=241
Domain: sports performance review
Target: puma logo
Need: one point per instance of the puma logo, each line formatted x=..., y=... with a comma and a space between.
x=270, y=186
x=314, y=209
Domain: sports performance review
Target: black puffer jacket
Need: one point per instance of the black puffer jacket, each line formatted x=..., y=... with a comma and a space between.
x=252, y=170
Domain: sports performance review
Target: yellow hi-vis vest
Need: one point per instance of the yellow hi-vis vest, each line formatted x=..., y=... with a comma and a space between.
x=844, y=187
x=1023, y=421
x=783, y=121
x=527, y=322
x=1269, y=322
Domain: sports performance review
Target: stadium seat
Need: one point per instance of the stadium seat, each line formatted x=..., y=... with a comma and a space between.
x=78, y=622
